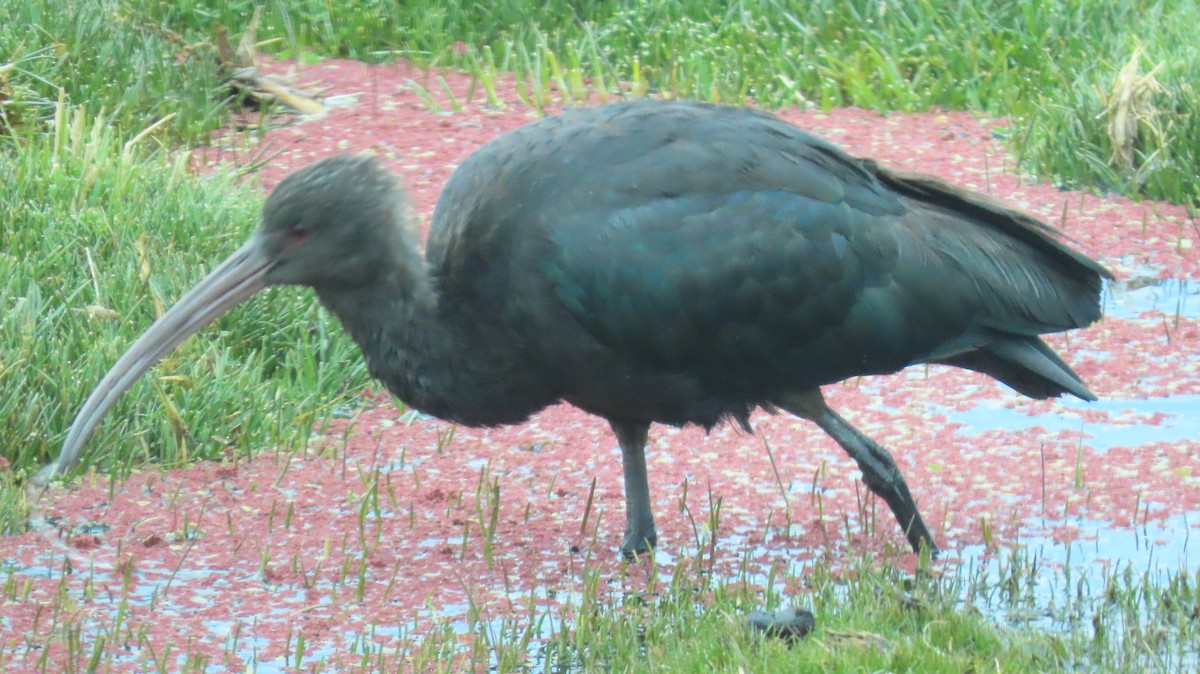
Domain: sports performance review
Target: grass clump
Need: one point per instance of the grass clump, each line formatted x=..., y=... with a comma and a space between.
x=108, y=57
x=97, y=238
x=1050, y=67
x=867, y=624
x=870, y=617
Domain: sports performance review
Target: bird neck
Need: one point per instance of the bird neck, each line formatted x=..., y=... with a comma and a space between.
x=425, y=352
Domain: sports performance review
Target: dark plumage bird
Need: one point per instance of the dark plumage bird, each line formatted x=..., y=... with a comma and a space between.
x=656, y=261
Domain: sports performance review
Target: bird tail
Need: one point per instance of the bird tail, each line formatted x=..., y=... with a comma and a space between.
x=1026, y=364
x=982, y=208
x=1031, y=281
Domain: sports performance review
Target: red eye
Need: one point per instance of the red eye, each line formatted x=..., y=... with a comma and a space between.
x=298, y=234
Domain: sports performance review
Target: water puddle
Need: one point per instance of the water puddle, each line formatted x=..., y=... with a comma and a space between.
x=1176, y=418
x=1067, y=586
x=1132, y=297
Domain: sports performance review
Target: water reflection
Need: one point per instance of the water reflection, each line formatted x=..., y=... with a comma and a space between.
x=1131, y=297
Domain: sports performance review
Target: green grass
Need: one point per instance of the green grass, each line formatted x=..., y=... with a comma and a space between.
x=105, y=56
x=870, y=617
x=867, y=624
x=97, y=236
x=1047, y=65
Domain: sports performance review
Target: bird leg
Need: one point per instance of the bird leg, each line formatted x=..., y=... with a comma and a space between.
x=640, y=535
x=879, y=470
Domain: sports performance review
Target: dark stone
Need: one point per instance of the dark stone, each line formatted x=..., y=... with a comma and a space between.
x=790, y=623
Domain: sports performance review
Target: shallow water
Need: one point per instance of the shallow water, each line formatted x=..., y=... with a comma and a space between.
x=1182, y=420
x=1134, y=296
x=1067, y=586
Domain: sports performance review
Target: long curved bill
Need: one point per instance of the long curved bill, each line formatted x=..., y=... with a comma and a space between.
x=235, y=279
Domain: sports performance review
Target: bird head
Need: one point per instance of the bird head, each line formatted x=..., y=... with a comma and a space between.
x=333, y=225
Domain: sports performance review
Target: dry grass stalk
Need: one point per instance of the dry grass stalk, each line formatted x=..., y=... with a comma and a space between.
x=1130, y=109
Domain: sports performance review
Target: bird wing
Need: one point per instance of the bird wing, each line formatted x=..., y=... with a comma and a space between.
x=732, y=245
x=751, y=284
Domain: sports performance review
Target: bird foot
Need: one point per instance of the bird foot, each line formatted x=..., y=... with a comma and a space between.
x=925, y=541
x=639, y=542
